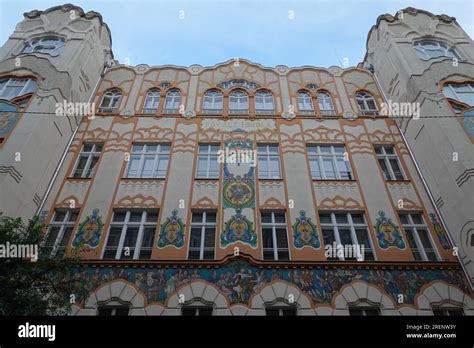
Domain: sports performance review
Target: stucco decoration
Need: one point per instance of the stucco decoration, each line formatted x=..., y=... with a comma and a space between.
x=89, y=232
x=443, y=239
x=172, y=232
x=305, y=232
x=388, y=234
x=239, y=229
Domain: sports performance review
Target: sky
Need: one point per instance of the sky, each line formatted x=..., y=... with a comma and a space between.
x=269, y=32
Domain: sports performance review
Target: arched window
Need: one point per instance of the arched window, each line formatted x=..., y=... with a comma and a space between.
x=429, y=49
x=325, y=104
x=172, y=101
x=47, y=45
x=213, y=102
x=305, y=103
x=13, y=87
x=463, y=93
x=238, y=103
x=111, y=101
x=264, y=104
x=366, y=104
x=152, y=102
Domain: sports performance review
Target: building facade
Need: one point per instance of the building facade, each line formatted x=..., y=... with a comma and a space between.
x=228, y=190
x=426, y=59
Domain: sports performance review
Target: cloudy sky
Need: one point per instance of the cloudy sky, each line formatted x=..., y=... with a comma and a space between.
x=270, y=32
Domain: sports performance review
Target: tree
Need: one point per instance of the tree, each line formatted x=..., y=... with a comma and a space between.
x=41, y=287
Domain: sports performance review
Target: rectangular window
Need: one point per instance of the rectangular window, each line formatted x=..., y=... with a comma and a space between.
x=131, y=235
x=197, y=311
x=280, y=311
x=274, y=236
x=59, y=232
x=329, y=162
x=349, y=231
x=364, y=311
x=87, y=161
x=208, y=165
x=448, y=311
x=203, y=234
x=389, y=162
x=418, y=237
x=268, y=162
x=148, y=161
x=113, y=310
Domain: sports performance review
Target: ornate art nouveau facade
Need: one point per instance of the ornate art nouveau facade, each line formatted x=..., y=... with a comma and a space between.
x=168, y=228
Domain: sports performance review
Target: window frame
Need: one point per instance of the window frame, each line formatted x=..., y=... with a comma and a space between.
x=209, y=155
x=364, y=96
x=91, y=155
x=414, y=227
x=386, y=157
x=158, y=155
x=142, y=224
x=213, y=94
x=265, y=97
x=452, y=86
x=203, y=226
x=268, y=156
x=334, y=225
x=114, y=96
x=30, y=86
x=157, y=94
x=239, y=110
x=171, y=96
x=334, y=156
x=421, y=50
x=303, y=101
x=364, y=310
x=274, y=226
x=63, y=225
x=56, y=51
x=327, y=97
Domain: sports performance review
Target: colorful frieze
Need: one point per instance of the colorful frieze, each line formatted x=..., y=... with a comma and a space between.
x=172, y=232
x=305, y=232
x=8, y=117
x=443, y=239
x=89, y=231
x=239, y=280
x=388, y=234
x=239, y=229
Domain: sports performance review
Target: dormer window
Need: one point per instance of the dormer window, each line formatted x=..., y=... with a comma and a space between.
x=366, y=104
x=429, y=49
x=47, y=45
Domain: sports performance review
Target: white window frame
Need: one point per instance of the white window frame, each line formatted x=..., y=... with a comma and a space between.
x=364, y=97
x=386, y=157
x=334, y=225
x=326, y=106
x=38, y=46
x=268, y=156
x=63, y=225
x=335, y=157
x=265, y=98
x=208, y=156
x=242, y=99
x=424, y=53
x=203, y=225
x=113, y=97
x=414, y=227
x=29, y=86
x=152, y=97
x=125, y=224
x=305, y=100
x=172, y=102
x=453, y=89
x=90, y=157
x=274, y=225
x=213, y=102
x=159, y=156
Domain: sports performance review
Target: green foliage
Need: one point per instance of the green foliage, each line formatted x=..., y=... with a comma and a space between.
x=43, y=287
